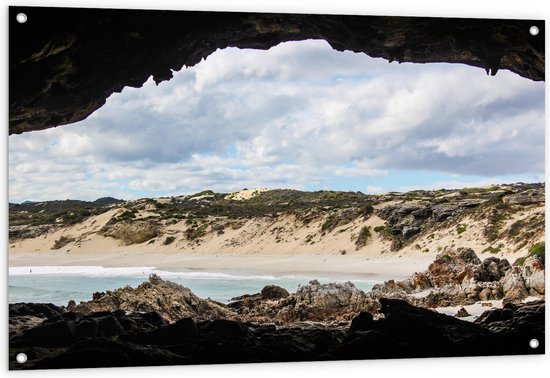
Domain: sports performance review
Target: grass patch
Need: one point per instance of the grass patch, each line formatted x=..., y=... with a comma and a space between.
x=515, y=228
x=494, y=249
x=495, y=220
x=461, y=228
x=535, y=250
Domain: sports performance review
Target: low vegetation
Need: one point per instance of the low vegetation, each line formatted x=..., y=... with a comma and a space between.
x=62, y=242
x=410, y=219
x=169, y=240
x=61, y=213
x=363, y=237
x=493, y=249
x=535, y=250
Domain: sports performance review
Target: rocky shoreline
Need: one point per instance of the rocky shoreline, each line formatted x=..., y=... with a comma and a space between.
x=162, y=323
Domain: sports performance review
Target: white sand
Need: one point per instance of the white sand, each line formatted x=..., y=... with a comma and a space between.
x=478, y=308
x=335, y=266
x=245, y=194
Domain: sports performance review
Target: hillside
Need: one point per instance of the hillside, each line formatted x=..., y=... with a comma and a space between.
x=500, y=220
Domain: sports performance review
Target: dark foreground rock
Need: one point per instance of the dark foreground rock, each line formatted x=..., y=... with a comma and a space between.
x=24, y=316
x=103, y=339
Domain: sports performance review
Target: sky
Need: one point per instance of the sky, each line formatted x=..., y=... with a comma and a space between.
x=299, y=115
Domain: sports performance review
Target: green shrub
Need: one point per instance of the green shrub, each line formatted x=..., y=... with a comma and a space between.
x=193, y=233
x=127, y=215
x=364, y=236
x=461, y=228
x=330, y=223
x=169, y=240
x=62, y=241
x=366, y=211
x=495, y=222
x=384, y=229
x=515, y=228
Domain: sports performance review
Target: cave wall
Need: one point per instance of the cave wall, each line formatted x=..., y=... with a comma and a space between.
x=65, y=62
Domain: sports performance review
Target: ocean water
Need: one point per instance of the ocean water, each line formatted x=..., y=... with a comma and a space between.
x=59, y=284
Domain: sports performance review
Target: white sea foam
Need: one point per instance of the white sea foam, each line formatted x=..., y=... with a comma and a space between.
x=143, y=271
x=57, y=284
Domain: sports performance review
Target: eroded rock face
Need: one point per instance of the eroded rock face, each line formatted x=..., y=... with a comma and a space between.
x=526, y=197
x=331, y=302
x=533, y=275
x=134, y=232
x=61, y=74
x=170, y=300
x=453, y=267
x=319, y=301
x=407, y=219
x=513, y=285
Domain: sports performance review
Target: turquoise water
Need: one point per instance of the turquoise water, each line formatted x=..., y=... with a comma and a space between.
x=58, y=285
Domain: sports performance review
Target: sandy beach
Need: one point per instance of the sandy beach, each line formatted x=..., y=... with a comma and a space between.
x=336, y=266
x=257, y=246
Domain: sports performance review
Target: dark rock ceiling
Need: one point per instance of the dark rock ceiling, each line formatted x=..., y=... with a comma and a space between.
x=65, y=62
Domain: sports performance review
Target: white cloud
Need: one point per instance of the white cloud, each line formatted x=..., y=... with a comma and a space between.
x=298, y=115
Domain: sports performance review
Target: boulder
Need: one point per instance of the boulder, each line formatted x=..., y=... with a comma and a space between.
x=41, y=310
x=321, y=301
x=409, y=231
x=226, y=329
x=519, y=322
x=462, y=313
x=513, y=285
x=533, y=274
x=420, y=282
x=451, y=267
x=274, y=292
x=491, y=269
x=362, y=322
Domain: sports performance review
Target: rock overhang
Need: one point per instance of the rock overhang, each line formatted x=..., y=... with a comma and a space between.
x=65, y=62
